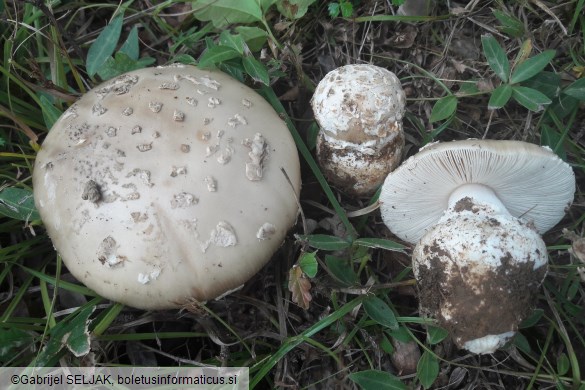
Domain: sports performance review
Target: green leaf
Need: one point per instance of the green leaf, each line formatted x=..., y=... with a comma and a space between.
x=346, y=9
x=427, y=369
x=532, y=66
x=341, y=269
x=50, y=112
x=184, y=59
x=214, y=55
x=469, y=88
x=436, y=334
x=333, y=9
x=104, y=45
x=377, y=380
x=444, y=108
x=72, y=333
x=325, y=242
x=380, y=312
x=500, y=96
x=549, y=83
x=254, y=37
x=18, y=203
x=563, y=364
x=308, y=263
x=576, y=89
x=224, y=12
x=530, y=98
x=521, y=343
x=130, y=46
x=509, y=24
x=256, y=70
x=121, y=63
x=235, y=41
x=496, y=57
x=293, y=9
x=380, y=243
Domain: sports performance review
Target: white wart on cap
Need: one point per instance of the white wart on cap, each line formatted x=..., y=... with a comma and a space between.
x=359, y=109
x=476, y=210
x=165, y=185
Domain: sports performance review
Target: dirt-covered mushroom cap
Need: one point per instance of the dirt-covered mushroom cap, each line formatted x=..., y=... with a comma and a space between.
x=475, y=210
x=359, y=109
x=164, y=185
x=531, y=181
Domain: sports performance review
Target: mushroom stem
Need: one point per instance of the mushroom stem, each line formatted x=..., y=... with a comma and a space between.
x=481, y=194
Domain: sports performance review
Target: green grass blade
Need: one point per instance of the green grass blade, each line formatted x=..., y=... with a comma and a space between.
x=380, y=243
x=325, y=242
x=293, y=342
x=269, y=95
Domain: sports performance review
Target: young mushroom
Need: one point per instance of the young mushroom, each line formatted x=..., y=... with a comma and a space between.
x=165, y=185
x=359, y=109
x=475, y=210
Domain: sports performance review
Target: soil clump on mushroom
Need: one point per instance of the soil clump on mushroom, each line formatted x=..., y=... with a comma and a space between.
x=503, y=299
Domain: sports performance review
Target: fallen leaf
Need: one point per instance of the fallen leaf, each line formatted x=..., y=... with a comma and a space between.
x=405, y=356
x=404, y=39
x=299, y=286
x=577, y=249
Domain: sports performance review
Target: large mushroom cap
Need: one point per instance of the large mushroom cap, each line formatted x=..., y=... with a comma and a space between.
x=165, y=185
x=531, y=181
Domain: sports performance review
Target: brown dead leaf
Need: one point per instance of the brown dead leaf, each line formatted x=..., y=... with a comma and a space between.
x=405, y=356
x=460, y=67
x=577, y=249
x=403, y=39
x=299, y=286
x=485, y=85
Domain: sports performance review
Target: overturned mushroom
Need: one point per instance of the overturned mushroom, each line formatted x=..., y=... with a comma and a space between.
x=359, y=109
x=476, y=210
x=153, y=200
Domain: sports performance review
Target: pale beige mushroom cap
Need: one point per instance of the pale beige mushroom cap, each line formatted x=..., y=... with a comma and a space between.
x=359, y=109
x=165, y=185
x=532, y=182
